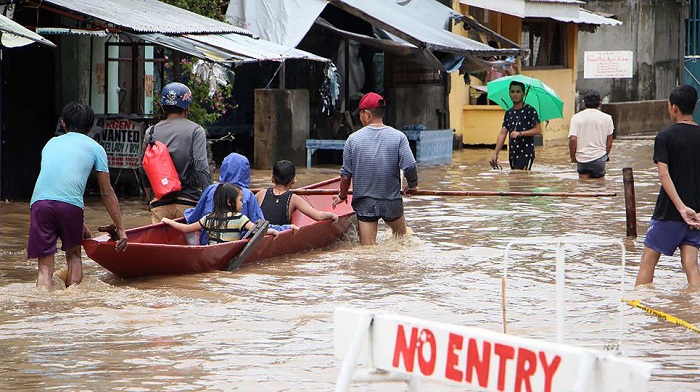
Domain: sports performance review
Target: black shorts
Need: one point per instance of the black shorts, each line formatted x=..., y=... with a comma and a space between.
x=371, y=210
x=521, y=163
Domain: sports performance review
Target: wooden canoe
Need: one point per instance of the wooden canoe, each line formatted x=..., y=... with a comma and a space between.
x=158, y=249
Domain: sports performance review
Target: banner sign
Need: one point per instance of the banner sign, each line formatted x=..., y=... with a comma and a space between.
x=608, y=64
x=122, y=140
x=485, y=360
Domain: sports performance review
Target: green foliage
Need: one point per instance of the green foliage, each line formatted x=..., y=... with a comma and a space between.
x=204, y=109
x=215, y=9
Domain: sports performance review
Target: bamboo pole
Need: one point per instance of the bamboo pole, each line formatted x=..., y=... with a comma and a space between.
x=426, y=192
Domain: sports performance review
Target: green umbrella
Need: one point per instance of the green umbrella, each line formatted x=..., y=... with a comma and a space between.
x=537, y=94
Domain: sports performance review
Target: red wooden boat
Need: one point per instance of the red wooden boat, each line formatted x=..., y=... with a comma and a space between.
x=158, y=249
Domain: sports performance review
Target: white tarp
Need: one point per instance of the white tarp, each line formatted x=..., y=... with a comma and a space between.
x=285, y=22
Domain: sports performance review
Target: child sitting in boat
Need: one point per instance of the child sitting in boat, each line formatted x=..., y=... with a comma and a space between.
x=225, y=222
x=278, y=203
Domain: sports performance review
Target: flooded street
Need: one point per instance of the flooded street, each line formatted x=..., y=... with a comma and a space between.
x=269, y=326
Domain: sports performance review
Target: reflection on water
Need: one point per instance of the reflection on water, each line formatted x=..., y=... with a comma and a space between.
x=269, y=325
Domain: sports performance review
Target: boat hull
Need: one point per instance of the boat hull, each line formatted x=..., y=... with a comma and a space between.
x=158, y=249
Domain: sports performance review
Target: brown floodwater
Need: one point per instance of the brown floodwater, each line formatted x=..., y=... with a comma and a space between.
x=268, y=326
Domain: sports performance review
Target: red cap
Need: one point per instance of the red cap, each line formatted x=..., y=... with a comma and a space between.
x=371, y=101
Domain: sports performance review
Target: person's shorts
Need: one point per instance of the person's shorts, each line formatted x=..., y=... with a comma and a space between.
x=368, y=209
x=594, y=168
x=173, y=209
x=521, y=163
x=666, y=236
x=50, y=220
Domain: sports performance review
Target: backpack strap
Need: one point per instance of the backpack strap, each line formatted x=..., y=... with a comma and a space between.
x=150, y=135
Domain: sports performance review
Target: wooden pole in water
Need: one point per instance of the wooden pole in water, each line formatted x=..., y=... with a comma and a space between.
x=426, y=192
x=630, y=203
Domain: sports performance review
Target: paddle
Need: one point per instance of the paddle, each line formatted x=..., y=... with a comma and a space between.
x=427, y=192
x=255, y=234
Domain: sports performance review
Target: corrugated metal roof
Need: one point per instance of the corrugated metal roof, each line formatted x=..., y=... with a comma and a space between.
x=547, y=9
x=14, y=34
x=148, y=16
x=258, y=49
x=229, y=48
x=390, y=16
x=590, y=18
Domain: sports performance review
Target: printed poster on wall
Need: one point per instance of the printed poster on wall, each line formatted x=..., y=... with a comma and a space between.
x=608, y=64
x=121, y=139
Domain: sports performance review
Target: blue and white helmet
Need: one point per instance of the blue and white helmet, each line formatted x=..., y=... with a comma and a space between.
x=176, y=94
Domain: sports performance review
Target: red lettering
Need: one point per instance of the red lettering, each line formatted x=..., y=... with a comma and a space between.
x=525, y=368
x=504, y=353
x=404, y=349
x=454, y=343
x=427, y=341
x=479, y=364
x=549, y=370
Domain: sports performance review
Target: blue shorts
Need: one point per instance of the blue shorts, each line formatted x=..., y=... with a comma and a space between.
x=667, y=236
x=594, y=168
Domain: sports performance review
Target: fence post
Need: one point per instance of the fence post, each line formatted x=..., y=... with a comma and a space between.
x=630, y=203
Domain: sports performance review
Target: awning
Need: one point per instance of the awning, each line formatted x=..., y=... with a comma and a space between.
x=142, y=16
x=228, y=48
x=591, y=18
x=392, y=17
x=568, y=11
x=419, y=23
x=258, y=49
x=14, y=34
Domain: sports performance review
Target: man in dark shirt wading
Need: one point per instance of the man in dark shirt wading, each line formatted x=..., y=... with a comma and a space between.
x=522, y=124
x=675, y=222
x=374, y=157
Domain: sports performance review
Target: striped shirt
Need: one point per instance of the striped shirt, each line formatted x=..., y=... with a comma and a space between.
x=372, y=157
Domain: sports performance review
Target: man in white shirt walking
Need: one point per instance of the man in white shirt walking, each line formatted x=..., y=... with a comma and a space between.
x=590, y=138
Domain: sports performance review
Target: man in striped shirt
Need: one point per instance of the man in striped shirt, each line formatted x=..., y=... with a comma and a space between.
x=373, y=158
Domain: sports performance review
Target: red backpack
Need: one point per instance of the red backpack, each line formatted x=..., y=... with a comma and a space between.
x=159, y=168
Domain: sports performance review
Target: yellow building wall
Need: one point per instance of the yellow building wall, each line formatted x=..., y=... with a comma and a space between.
x=480, y=124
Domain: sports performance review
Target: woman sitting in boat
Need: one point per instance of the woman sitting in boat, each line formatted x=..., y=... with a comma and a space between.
x=278, y=203
x=225, y=222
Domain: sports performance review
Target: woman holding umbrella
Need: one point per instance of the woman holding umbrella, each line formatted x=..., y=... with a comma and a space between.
x=527, y=102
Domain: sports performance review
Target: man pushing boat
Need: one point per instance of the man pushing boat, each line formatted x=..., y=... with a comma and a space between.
x=373, y=158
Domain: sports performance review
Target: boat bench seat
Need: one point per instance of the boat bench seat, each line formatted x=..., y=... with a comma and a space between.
x=321, y=144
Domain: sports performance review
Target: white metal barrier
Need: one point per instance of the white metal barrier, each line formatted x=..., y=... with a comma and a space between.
x=560, y=277
x=398, y=348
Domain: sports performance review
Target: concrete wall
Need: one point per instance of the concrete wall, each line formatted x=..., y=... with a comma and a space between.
x=638, y=117
x=281, y=126
x=416, y=105
x=653, y=30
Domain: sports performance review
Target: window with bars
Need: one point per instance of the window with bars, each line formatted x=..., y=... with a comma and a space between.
x=547, y=43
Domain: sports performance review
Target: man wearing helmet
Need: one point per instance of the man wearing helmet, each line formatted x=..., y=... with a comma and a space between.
x=187, y=144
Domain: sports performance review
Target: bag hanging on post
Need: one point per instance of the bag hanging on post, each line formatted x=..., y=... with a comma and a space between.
x=159, y=168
